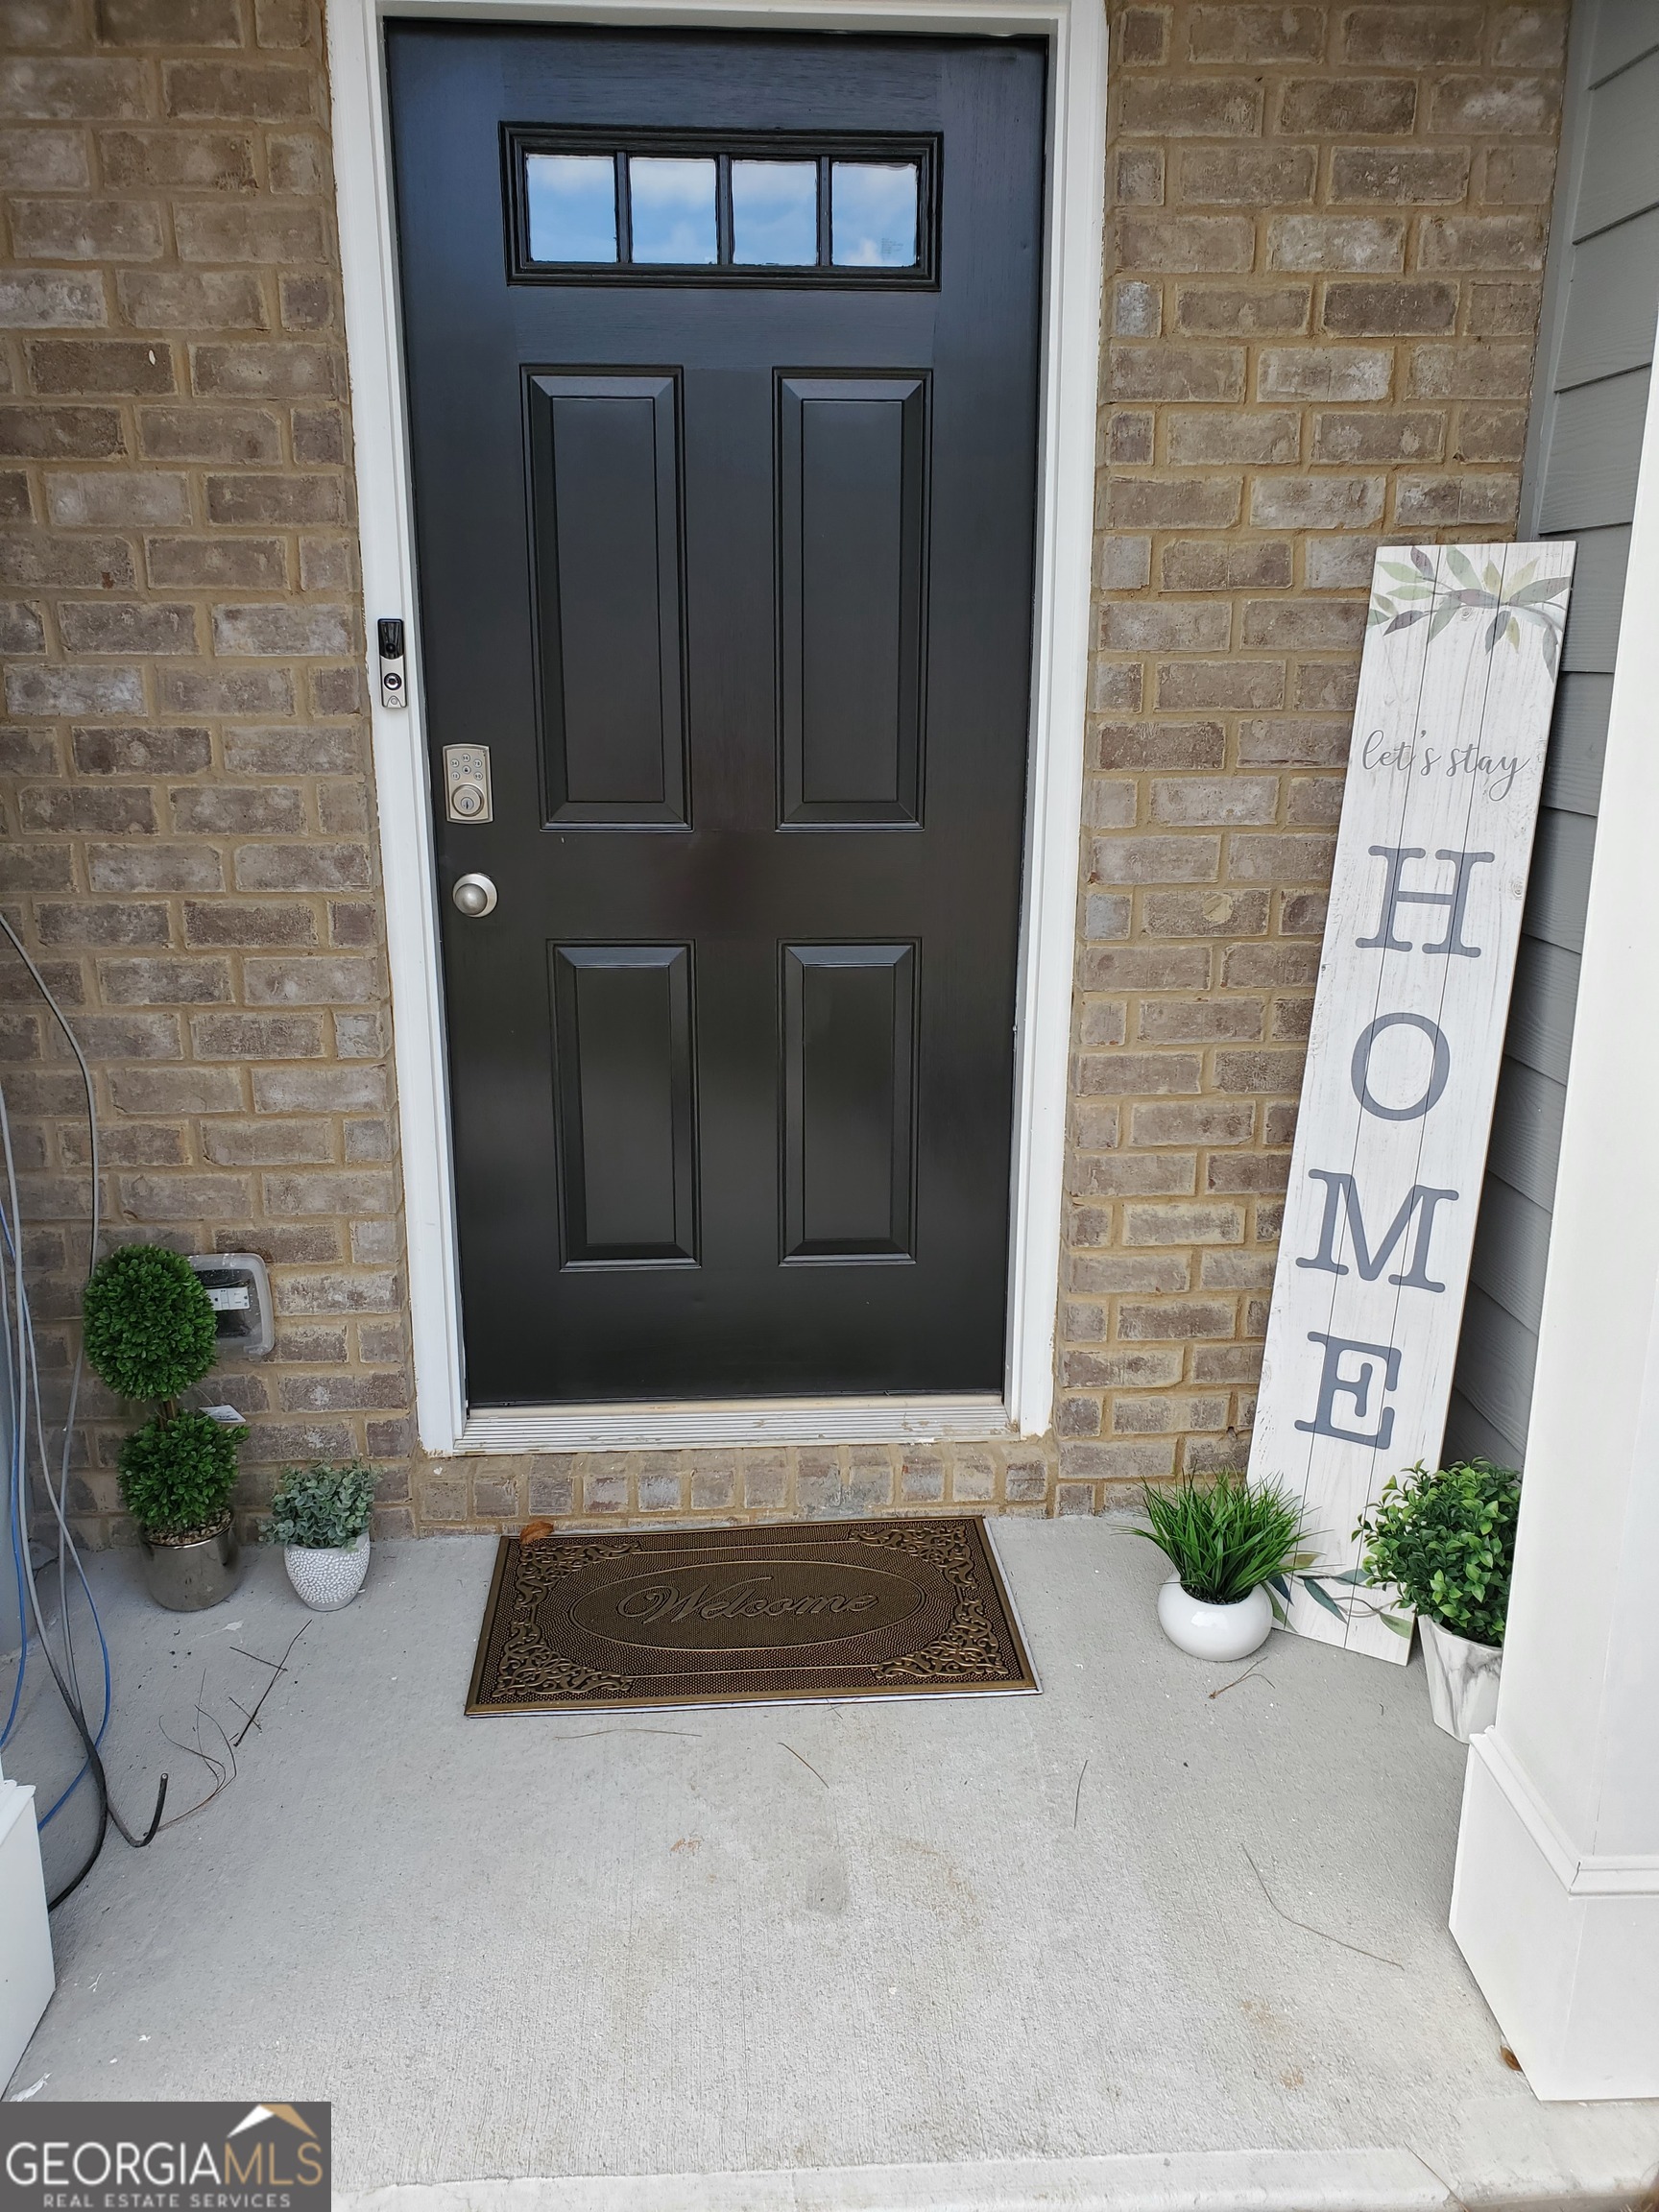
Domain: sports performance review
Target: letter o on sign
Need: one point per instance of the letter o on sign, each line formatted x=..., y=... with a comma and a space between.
x=1439, y=1073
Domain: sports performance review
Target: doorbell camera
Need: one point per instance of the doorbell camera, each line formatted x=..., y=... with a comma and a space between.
x=392, y=690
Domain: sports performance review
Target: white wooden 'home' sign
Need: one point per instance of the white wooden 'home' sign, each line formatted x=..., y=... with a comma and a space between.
x=1450, y=729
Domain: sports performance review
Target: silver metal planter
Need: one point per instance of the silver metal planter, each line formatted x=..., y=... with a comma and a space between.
x=190, y=1576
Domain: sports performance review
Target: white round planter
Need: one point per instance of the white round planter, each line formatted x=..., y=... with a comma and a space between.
x=1214, y=1631
x=327, y=1580
x=1462, y=1680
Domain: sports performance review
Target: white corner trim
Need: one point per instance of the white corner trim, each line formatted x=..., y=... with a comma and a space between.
x=1580, y=1873
x=1076, y=34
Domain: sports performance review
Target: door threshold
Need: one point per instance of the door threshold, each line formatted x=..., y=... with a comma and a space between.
x=659, y=1426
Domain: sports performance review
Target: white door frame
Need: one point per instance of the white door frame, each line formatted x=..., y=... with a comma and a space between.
x=1077, y=33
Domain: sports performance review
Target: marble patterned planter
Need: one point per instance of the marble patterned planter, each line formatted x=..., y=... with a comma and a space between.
x=1462, y=1680
x=325, y=1579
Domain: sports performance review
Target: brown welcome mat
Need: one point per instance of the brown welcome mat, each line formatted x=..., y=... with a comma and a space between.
x=723, y=1616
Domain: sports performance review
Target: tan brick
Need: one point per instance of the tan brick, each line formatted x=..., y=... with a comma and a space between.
x=1394, y=309
x=1240, y=33
x=1398, y=174
x=1245, y=175
x=1152, y=859
x=265, y=92
x=1241, y=311
x=1411, y=37
x=1200, y=1121
x=1328, y=626
x=1191, y=108
x=1264, y=436
x=86, y=229
x=1225, y=683
x=1325, y=373
x=1495, y=105
x=1186, y=242
x=1400, y=435
x=1199, y=1021
x=178, y=161
x=71, y=88
x=1170, y=372
x=1226, y=563
x=1221, y=800
x=77, y=366
x=43, y=161
x=1215, y=912
x=1326, y=242
x=1316, y=502
x=1335, y=107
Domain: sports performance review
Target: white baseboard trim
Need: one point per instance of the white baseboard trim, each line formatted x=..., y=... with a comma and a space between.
x=1564, y=1945
x=737, y=1421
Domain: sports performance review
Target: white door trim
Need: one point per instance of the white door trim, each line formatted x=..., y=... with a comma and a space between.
x=1077, y=33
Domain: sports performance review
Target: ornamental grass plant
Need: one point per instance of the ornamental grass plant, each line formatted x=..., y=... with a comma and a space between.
x=1445, y=1537
x=1225, y=1536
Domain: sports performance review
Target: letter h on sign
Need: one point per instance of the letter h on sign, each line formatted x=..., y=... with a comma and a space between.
x=1456, y=684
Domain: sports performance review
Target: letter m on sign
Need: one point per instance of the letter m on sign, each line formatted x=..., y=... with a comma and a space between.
x=1438, y=810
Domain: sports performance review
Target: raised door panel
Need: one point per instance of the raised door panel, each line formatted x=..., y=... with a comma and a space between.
x=625, y=1115
x=849, y=1096
x=605, y=508
x=852, y=553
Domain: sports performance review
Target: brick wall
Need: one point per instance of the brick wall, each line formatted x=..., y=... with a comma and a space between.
x=1327, y=229
x=189, y=811
x=1322, y=293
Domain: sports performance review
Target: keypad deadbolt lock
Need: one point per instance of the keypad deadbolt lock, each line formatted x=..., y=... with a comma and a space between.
x=467, y=783
x=474, y=895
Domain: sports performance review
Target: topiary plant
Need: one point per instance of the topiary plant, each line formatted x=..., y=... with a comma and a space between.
x=150, y=1333
x=1446, y=1538
x=149, y=1322
x=177, y=1476
x=322, y=1508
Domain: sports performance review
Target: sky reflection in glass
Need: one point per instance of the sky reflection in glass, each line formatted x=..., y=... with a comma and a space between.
x=873, y=214
x=572, y=205
x=673, y=209
x=774, y=214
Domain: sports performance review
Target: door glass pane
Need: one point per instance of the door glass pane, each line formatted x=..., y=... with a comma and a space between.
x=673, y=209
x=573, y=203
x=873, y=214
x=774, y=214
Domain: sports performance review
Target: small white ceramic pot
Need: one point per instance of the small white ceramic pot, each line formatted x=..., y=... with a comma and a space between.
x=325, y=1580
x=1462, y=1680
x=1214, y=1631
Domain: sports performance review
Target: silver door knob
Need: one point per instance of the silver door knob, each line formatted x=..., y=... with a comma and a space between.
x=474, y=895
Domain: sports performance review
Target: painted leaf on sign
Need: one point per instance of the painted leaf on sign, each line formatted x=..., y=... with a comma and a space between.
x=1450, y=729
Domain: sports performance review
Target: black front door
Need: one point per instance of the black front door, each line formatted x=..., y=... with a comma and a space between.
x=723, y=358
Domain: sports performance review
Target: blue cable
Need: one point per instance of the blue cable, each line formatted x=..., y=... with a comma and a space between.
x=15, y=1500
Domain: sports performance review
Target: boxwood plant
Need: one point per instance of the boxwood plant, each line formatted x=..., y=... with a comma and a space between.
x=148, y=1333
x=322, y=1508
x=1446, y=1538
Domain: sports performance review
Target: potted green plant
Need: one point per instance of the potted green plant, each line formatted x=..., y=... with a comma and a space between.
x=319, y=1515
x=150, y=1334
x=1445, y=1537
x=1223, y=1538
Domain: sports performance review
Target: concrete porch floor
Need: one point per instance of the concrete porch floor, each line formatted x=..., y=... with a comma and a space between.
x=1001, y=1951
